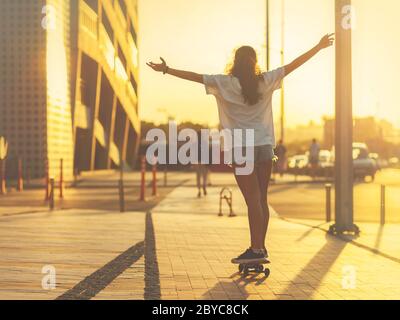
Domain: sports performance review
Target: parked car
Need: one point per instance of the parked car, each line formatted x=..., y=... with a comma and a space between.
x=380, y=163
x=364, y=165
x=326, y=164
x=394, y=162
x=298, y=164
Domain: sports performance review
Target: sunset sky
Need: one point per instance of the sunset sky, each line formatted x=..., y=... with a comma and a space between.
x=200, y=35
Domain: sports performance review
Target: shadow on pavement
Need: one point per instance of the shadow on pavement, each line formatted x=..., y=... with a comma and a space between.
x=320, y=264
x=379, y=237
x=152, y=274
x=236, y=288
x=99, y=280
x=308, y=232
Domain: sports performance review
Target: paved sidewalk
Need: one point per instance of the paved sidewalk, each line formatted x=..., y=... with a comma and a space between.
x=182, y=251
x=10, y=211
x=108, y=179
x=194, y=251
x=382, y=240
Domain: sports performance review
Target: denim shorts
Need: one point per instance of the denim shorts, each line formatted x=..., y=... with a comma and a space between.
x=262, y=153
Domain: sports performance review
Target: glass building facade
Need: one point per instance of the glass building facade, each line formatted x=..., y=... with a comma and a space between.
x=69, y=84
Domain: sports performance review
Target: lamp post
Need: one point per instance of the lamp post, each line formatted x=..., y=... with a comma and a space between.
x=169, y=118
x=343, y=123
x=268, y=58
x=268, y=43
x=282, y=64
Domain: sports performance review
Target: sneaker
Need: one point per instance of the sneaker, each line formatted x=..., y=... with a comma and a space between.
x=249, y=256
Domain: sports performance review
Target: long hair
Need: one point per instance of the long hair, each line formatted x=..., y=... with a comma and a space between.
x=246, y=69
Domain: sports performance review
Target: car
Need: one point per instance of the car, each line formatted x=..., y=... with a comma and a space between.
x=380, y=163
x=394, y=162
x=363, y=164
x=326, y=164
x=298, y=164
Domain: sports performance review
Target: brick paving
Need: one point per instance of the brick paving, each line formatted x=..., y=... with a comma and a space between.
x=182, y=250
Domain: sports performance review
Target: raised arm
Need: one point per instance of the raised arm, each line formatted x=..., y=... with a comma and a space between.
x=325, y=42
x=186, y=75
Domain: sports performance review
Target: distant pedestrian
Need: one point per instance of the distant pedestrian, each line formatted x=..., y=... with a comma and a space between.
x=202, y=169
x=280, y=164
x=314, y=157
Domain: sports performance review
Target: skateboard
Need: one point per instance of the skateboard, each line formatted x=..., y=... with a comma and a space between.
x=255, y=267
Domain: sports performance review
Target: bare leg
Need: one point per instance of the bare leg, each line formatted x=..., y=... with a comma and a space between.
x=263, y=171
x=249, y=187
x=205, y=175
x=313, y=171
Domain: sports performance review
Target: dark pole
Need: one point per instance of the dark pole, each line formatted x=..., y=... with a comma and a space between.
x=383, y=205
x=51, y=194
x=343, y=123
x=282, y=64
x=121, y=185
x=61, y=178
x=268, y=35
x=328, y=191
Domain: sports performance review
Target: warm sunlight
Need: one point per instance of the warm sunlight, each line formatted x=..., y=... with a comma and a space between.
x=189, y=40
x=59, y=129
x=199, y=158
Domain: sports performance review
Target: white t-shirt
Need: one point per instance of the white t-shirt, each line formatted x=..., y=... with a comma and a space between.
x=234, y=113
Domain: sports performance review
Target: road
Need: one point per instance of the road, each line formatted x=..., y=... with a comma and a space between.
x=307, y=201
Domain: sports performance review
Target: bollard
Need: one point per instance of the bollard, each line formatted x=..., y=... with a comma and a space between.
x=143, y=180
x=3, y=189
x=154, y=182
x=121, y=196
x=328, y=189
x=383, y=205
x=165, y=176
x=61, y=186
x=47, y=182
x=20, y=182
x=121, y=186
x=51, y=195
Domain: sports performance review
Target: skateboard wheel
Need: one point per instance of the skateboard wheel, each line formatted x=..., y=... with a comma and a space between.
x=259, y=268
x=267, y=272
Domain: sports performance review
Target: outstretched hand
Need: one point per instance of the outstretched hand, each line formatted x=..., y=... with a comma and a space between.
x=327, y=41
x=159, y=67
